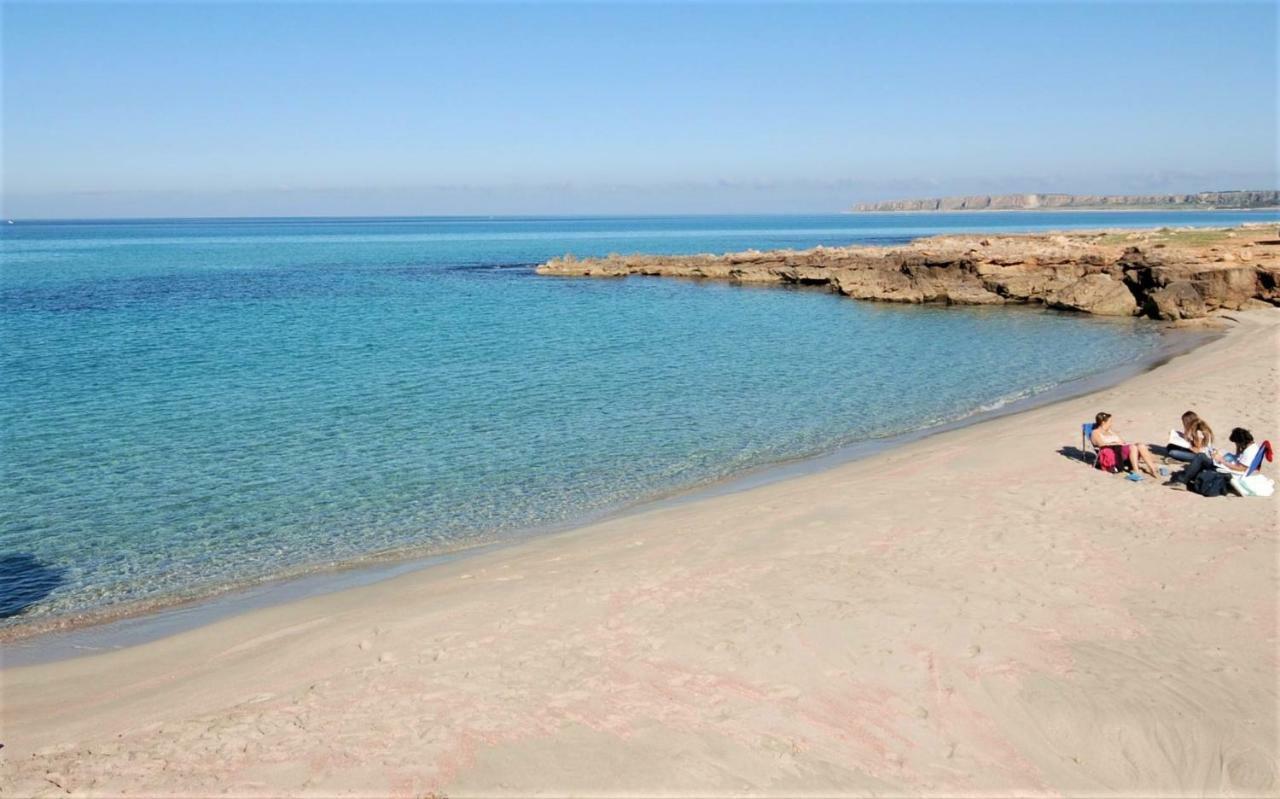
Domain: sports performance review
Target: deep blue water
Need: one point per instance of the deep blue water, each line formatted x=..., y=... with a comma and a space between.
x=189, y=404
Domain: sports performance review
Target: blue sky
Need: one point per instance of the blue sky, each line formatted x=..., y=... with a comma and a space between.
x=345, y=108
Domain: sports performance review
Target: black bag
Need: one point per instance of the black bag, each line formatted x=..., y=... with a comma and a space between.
x=1210, y=483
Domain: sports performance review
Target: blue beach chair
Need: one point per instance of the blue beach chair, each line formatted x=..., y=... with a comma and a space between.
x=1087, y=447
x=1086, y=443
x=1257, y=459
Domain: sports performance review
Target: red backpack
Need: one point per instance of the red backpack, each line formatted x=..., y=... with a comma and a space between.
x=1107, y=459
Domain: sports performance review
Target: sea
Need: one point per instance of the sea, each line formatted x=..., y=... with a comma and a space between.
x=190, y=406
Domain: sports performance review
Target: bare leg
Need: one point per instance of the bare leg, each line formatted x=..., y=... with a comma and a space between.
x=1145, y=452
x=1133, y=458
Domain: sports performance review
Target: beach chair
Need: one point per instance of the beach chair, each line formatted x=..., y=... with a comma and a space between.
x=1257, y=459
x=1086, y=443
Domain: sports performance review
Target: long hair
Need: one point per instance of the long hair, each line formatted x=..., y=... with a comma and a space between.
x=1241, y=438
x=1201, y=433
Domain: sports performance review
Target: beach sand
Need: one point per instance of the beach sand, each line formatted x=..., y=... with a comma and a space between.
x=976, y=613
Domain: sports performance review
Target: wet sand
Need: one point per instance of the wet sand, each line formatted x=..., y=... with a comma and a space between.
x=973, y=613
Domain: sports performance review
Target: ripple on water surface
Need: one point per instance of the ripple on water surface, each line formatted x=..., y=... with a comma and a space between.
x=187, y=412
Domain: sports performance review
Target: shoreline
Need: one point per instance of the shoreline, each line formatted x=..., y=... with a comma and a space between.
x=132, y=624
x=934, y=285
x=948, y=618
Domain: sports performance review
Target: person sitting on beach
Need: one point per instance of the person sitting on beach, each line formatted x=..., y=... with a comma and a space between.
x=1136, y=455
x=1208, y=475
x=1238, y=462
x=1195, y=437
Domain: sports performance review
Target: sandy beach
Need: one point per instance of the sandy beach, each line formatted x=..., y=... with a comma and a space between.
x=976, y=613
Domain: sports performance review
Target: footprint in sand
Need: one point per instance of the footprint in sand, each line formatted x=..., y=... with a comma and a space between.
x=1250, y=771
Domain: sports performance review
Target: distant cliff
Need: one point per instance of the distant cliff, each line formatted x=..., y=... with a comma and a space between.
x=1027, y=202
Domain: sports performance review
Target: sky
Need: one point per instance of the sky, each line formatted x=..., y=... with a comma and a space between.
x=243, y=109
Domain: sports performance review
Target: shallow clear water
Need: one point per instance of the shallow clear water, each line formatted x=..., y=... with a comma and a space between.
x=189, y=404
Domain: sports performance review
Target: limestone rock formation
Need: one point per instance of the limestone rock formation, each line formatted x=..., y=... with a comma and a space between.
x=1097, y=293
x=1177, y=300
x=1164, y=274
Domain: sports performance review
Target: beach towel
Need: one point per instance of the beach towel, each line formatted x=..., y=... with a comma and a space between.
x=1255, y=485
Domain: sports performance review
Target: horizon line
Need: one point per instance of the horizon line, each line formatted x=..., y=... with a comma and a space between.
x=647, y=215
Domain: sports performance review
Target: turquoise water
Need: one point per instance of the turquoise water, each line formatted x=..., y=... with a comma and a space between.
x=193, y=404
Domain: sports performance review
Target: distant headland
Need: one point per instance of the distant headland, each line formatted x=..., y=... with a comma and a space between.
x=1205, y=200
x=1165, y=274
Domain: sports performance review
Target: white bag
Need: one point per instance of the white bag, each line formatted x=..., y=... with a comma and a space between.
x=1255, y=485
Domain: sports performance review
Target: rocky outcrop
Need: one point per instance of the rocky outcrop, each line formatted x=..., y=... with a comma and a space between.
x=1163, y=274
x=1097, y=293
x=1176, y=300
x=1026, y=202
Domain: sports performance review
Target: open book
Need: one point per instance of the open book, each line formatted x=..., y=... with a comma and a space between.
x=1177, y=439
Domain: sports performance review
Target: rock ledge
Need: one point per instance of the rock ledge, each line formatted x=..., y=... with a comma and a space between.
x=1163, y=274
